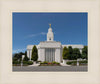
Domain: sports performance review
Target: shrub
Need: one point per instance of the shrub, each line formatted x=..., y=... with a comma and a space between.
x=58, y=63
x=69, y=63
x=38, y=61
x=72, y=63
x=41, y=62
x=83, y=61
x=25, y=62
x=75, y=62
x=45, y=62
x=29, y=62
x=16, y=62
x=54, y=62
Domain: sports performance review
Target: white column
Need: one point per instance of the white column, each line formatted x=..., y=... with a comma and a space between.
x=54, y=54
x=61, y=50
x=57, y=55
x=39, y=57
x=28, y=53
x=42, y=54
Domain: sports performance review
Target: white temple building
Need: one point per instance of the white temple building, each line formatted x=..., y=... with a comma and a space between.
x=50, y=50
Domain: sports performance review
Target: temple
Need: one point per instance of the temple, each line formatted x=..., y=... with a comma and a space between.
x=50, y=50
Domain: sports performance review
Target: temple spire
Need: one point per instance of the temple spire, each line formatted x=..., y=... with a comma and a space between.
x=50, y=25
x=50, y=35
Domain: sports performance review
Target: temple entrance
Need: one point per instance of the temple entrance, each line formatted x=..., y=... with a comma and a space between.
x=49, y=54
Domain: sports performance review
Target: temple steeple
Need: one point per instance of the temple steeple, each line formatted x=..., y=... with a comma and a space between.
x=49, y=25
x=50, y=35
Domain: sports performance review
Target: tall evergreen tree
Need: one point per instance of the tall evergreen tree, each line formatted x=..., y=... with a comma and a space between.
x=26, y=58
x=65, y=53
x=85, y=52
x=70, y=57
x=34, y=56
x=26, y=53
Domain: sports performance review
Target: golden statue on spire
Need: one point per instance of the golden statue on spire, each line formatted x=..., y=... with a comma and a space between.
x=50, y=25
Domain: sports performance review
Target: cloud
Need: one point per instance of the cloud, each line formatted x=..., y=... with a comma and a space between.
x=43, y=33
x=19, y=50
x=34, y=35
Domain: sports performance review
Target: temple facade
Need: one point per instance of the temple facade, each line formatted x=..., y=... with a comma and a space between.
x=50, y=50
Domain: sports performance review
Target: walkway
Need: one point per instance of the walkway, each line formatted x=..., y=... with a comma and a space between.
x=50, y=68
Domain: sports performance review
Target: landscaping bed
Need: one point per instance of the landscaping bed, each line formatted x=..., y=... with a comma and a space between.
x=49, y=63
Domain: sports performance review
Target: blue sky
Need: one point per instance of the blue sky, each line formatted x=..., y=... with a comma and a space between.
x=31, y=28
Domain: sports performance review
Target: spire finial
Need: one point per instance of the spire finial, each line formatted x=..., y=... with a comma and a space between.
x=50, y=25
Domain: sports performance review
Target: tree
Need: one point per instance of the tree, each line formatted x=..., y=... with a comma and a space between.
x=65, y=53
x=34, y=56
x=26, y=53
x=76, y=54
x=70, y=57
x=85, y=52
x=26, y=58
x=17, y=56
x=20, y=55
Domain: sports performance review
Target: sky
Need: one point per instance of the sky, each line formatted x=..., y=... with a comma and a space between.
x=31, y=28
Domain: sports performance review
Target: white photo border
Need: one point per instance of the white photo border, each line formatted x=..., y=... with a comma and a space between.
x=7, y=76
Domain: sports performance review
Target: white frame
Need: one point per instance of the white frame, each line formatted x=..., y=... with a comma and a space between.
x=9, y=77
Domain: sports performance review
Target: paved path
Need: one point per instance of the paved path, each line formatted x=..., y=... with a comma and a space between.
x=49, y=68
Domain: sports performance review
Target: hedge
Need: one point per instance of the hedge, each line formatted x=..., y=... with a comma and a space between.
x=24, y=62
x=16, y=62
x=75, y=62
x=72, y=63
x=83, y=61
x=45, y=63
